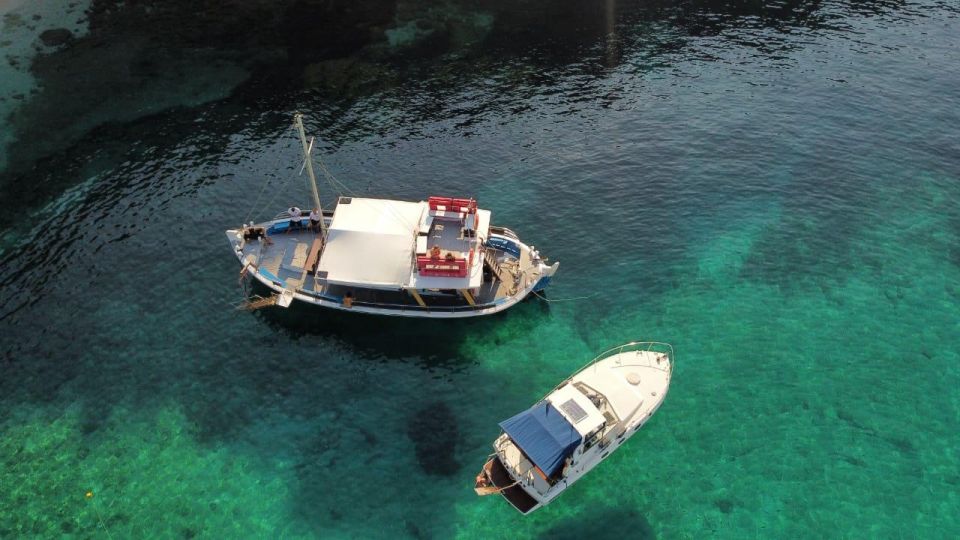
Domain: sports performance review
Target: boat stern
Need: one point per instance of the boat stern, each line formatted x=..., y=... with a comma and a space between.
x=494, y=478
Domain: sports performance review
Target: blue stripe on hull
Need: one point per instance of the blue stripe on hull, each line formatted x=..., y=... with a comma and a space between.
x=504, y=244
x=542, y=284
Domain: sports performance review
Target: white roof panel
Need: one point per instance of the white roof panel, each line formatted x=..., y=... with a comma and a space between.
x=371, y=243
x=582, y=415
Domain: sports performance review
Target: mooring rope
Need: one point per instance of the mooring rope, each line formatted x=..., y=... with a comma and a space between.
x=563, y=299
x=89, y=497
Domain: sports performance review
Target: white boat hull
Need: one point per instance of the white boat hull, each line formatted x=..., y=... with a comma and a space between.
x=643, y=377
x=534, y=280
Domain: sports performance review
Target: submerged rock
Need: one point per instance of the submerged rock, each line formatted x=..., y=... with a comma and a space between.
x=56, y=37
x=347, y=76
x=439, y=29
x=138, y=59
x=433, y=430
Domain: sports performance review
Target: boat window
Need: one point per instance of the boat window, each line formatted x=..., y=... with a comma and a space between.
x=593, y=437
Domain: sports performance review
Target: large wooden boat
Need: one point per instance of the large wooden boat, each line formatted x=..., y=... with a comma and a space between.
x=438, y=258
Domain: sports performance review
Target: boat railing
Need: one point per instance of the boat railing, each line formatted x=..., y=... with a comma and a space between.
x=285, y=215
x=504, y=231
x=651, y=346
x=411, y=307
x=400, y=307
x=654, y=346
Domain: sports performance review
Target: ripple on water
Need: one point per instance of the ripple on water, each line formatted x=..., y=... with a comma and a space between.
x=771, y=188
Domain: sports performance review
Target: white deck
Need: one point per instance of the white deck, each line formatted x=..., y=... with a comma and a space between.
x=633, y=383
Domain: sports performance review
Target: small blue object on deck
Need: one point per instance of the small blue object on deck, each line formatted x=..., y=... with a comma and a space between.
x=504, y=244
x=278, y=227
x=269, y=275
x=542, y=284
x=544, y=435
x=283, y=226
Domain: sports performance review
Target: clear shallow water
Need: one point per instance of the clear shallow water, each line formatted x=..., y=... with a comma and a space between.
x=774, y=192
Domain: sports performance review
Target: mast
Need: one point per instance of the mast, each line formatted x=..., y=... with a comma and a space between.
x=298, y=121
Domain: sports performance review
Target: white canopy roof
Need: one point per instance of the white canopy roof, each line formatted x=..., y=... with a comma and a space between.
x=371, y=243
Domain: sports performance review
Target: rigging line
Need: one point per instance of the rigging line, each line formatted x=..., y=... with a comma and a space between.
x=292, y=176
x=307, y=188
x=334, y=183
x=340, y=186
x=263, y=188
x=343, y=187
x=294, y=173
x=563, y=299
x=273, y=198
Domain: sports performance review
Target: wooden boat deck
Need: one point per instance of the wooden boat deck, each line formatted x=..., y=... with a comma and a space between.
x=286, y=255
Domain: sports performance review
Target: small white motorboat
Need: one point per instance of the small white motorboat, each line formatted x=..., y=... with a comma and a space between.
x=553, y=444
x=439, y=258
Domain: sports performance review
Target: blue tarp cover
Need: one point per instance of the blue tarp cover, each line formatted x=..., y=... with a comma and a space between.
x=504, y=244
x=544, y=435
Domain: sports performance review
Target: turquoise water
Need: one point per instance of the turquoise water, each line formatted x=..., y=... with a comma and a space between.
x=773, y=190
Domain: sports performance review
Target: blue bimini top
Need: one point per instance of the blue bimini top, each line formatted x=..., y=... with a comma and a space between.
x=544, y=435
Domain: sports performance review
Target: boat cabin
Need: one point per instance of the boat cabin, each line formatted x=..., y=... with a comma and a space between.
x=547, y=438
x=419, y=247
x=546, y=448
x=542, y=444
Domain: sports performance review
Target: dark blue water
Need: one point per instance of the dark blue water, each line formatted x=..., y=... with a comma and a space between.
x=770, y=187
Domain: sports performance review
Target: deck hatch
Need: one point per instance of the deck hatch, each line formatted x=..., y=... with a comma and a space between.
x=574, y=411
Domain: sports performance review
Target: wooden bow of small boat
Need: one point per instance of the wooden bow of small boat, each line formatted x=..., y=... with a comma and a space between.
x=494, y=479
x=484, y=484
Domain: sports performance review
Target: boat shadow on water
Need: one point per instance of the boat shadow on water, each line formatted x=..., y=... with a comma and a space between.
x=439, y=436
x=614, y=522
x=434, y=342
